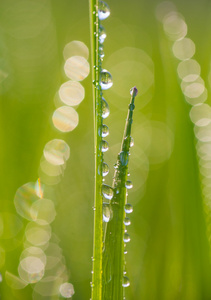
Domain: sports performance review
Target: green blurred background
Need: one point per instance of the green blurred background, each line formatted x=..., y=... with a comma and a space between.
x=169, y=255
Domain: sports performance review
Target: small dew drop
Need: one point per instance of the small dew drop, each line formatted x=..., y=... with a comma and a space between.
x=105, y=109
x=101, y=53
x=115, y=166
x=126, y=237
x=128, y=208
x=117, y=191
x=103, y=10
x=128, y=184
x=106, y=80
x=104, y=146
x=105, y=169
x=127, y=221
x=107, y=212
x=123, y=156
x=104, y=130
x=107, y=191
x=102, y=34
x=125, y=281
x=125, y=251
x=131, y=142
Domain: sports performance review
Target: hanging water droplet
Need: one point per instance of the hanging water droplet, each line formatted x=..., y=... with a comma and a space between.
x=128, y=174
x=106, y=80
x=126, y=237
x=117, y=191
x=102, y=34
x=115, y=166
x=105, y=169
x=123, y=156
x=103, y=10
x=107, y=191
x=105, y=109
x=125, y=281
x=101, y=53
x=131, y=142
x=104, y=130
x=104, y=146
x=107, y=212
x=127, y=221
x=128, y=208
x=125, y=251
x=128, y=184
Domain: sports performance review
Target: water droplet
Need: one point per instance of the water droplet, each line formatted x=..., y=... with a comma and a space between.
x=125, y=281
x=105, y=169
x=102, y=34
x=106, y=80
x=117, y=191
x=128, y=184
x=128, y=208
x=107, y=191
x=115, y=166
x=126, y=238
x=103, y=10
x=104, y=146
x=101, y=53
x=105, y=109
x=123, y=156
x=131, y=107
x=131, y=142
x=127, y=221
x=104, y=130
x=107, y=212
x=125, y=251
x=128, y=174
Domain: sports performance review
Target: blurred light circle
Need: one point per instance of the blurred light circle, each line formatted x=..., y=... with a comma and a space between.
x=77, y=68
x=65, y=118
x=43, y=211
x=189, y=70
x=163, y=9
x=36, y=234
x=203, y=133
x=66, y=290
x=174, y=26
x=184, y=49
x=25, y=196
x=75, y=48
x=35, y=252
x=200, y=115
x=49, y=285
x=15, y=282
x=194, y=90
x=11, y=225
x=56, y=152
x=71, y=93
x=31, y=269
x=50, y=169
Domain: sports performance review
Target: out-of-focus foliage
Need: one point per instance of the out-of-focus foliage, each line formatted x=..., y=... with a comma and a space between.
x=169, y=255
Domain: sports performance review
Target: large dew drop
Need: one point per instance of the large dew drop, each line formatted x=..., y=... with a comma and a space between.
x=107, y=191
x=125, y=281
x=104, y=131
x=105, y=109
x=128, y=208
x=104, y=146
x=107, y=212
x=103, y=10
x=123, y=156
x=106, y=80
x=105, y=169
x=128, y=184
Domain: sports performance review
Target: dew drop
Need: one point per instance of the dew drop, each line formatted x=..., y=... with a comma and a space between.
x=128, y=208
x=104, y=130
x=105, y=109
x=103, y=10
x=115, y=166
x=123, y=156
x=105, y=169
x=105, y=79
x=101, y=53
x=126, y=237
x=107, y=212
x=102, y=34
x=128, y=184
x=107, y=191
x=127, y=221
x=131, y=142
x=125, y=281
x=104, y=146
x=125, y=251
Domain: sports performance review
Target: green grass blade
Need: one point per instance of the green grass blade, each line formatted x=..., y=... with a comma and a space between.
x=113, y=254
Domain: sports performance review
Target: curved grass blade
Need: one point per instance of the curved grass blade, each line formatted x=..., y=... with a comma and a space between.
x=113, y=252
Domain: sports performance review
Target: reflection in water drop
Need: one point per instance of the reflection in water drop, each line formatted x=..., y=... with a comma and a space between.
x=107, y=212
x=126, y=237
x=106, y=80
x=56, y=152
x=104, y=146
x=125, y=281
x=128, y=184
x=103, y=10
x=76, y=68
x=66, y=290
x=75, y=48
x=128, y=208
x=65, y=118
x=71, y=93
x=105, y=109
x=107, y=191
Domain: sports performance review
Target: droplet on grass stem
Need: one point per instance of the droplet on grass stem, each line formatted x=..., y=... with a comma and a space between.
x=107, y=191
x=105, y=109
x=106, y=80
x=128, y=208
x=103, y=10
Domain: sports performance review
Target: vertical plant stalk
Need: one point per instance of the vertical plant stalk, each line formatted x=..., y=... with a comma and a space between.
x=98, y=201
x=113, y=253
